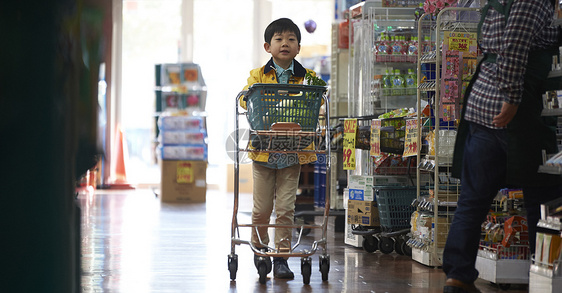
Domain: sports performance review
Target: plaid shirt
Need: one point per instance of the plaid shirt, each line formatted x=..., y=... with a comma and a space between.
x=528, y=28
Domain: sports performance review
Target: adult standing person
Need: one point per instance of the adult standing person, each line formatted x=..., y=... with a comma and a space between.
x=502, y=134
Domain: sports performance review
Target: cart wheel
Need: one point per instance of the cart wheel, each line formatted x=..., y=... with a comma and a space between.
x=398, y=243
x=386, y=245
x=504, y=286
x=265, y=259
x=370, y=243
x=306, y=269
x=406, y=249
x=233, y=266
x=324, y=261
x=262, y=271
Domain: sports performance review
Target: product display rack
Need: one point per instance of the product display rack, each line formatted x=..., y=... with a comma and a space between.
x=366, y=99
x=437, y=124
x=504, y=255
x=180, y=90
x=544, y=276
x=548, y=111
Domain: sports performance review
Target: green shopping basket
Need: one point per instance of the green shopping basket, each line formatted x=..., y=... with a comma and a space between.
x=270, y=103
x=395, y=206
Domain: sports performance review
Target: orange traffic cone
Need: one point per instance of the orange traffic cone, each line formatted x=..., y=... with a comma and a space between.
x=118, y=176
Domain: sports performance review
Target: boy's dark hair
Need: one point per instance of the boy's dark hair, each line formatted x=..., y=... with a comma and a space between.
x=280, y=26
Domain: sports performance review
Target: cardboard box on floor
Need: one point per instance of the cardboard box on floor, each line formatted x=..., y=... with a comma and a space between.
x=183, y=181
x=245, y=181
x=364, y=213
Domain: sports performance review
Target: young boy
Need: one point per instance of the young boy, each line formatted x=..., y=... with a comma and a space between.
x=276, y=176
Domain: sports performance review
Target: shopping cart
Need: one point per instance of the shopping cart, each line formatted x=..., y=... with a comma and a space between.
x=395, y=211
x=283, y=118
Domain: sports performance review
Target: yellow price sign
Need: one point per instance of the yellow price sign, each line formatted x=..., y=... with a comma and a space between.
x=459, y=44
x=375, y=142
x=349, y=133
x=411, y=138
x=184, y=172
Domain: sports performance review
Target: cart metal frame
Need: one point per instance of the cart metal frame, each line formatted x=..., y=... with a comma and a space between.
x=321, y=138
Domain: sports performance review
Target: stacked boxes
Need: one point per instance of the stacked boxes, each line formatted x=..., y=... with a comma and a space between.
x=183, y=150
x=361, y=202
x=364, y=213
x=183, y=181
x=182, y=138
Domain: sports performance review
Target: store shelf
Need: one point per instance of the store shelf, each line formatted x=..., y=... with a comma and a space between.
x=539, y=283
x=427, y=86
x=550, y=223
x=503, y=265
x=503, y=271
x=555, y=73
x=552, y=112
x=430, y=57
x=433, y=79
x=556, y=170
x=544, y=279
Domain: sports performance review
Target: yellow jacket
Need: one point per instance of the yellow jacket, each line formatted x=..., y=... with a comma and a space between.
x=267, y=74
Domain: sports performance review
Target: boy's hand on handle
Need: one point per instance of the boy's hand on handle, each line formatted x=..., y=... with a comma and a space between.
x=506, y=115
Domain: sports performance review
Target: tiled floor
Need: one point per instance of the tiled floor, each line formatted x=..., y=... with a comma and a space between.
x=131, y=242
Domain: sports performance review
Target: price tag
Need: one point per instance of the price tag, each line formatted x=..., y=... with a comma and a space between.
x=375, y=138
x=411, y=138
x=184, y=172
x=459, y=44
x=349, y=133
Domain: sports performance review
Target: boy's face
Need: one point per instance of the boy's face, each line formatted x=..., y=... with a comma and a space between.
x=283, y=48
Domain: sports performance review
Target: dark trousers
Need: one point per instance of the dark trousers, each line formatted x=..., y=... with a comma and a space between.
x=483, y=174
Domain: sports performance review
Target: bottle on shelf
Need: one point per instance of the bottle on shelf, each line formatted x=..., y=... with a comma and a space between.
x=413, y=47
x=404, y=44
x=396, y=45
x=380, y=45
x=427, y=46
x=411, y=82
x=398, y=83
x=376, y=85
x=387, y=83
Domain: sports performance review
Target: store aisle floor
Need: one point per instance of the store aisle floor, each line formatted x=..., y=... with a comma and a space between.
x=131, y=242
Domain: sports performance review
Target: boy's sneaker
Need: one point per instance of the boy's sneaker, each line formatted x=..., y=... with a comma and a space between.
x=267, y=260
x=281, y=269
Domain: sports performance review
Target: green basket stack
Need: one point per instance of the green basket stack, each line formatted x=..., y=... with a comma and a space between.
x=271, y=103
x=395, y=206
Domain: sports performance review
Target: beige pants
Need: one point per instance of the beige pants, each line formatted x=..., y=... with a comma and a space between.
x=274, y=188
